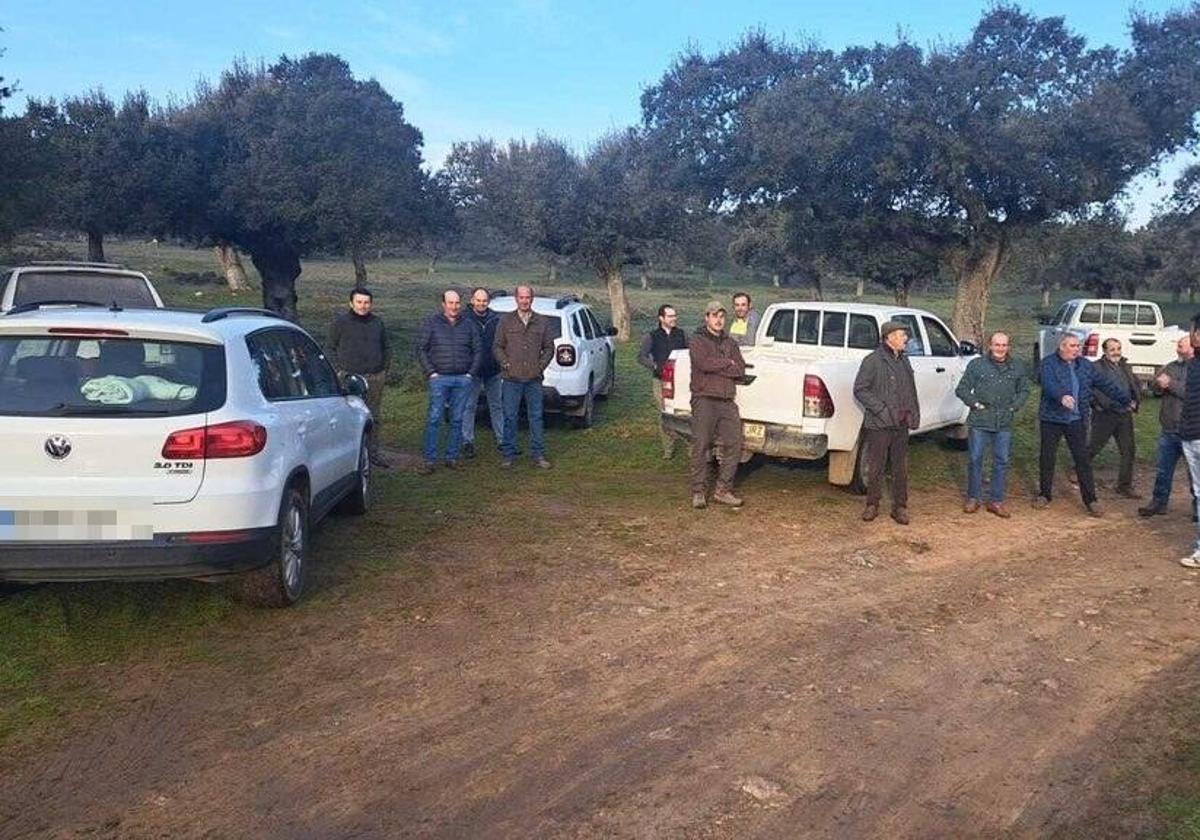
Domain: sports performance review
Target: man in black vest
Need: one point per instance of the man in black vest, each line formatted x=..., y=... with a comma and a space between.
x=656, y=347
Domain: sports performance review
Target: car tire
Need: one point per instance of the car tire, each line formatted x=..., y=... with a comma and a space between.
x=587, y=415
x=358, y=501
x=280, y=583
x=610, y=379
x=858, y=483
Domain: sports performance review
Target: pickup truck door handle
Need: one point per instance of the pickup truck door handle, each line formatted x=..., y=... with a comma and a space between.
x=1140, y=342
x=940, y=370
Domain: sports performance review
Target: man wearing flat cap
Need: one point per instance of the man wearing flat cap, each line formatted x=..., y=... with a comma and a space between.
x=887, y=391
x=717, y=367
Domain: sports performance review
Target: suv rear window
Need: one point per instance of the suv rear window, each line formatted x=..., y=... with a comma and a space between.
x=126, y=290
x=53, y=376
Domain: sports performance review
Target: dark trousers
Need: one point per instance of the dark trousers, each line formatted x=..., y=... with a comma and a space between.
x=1077, y=444
x=715, y=421
x=884, y=446
x=1110, y=424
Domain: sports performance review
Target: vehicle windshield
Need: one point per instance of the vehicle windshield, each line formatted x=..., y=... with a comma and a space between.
x=53, y=376
x=126, y=290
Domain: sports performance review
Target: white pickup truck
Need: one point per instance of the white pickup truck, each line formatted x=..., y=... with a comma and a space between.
x=1146, y=342
x=798, y=400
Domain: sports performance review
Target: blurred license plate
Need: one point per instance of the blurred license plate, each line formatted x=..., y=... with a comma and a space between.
x=754, y=433
x=74, y=525
x=1148, y=370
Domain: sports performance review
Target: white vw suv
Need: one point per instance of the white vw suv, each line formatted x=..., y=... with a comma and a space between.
x=146, y=444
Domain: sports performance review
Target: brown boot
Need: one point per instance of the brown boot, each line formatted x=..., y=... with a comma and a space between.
x=698, y=501
x=900, y=515
x=999, y=509
x=971, y=506
x=724, y=496
x=870, y=512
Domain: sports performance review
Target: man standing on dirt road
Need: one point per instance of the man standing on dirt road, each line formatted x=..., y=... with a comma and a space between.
x=450, y=351
x=1189, y=433
x=1067, y=385
x=523, y=348
x=717, y=367
x=1171, y=385
x=656, y=348
x=1112, y=420
x=887, y=391
x=745, y=320
x=488, y=380
x=358, y=344
x=995, y=387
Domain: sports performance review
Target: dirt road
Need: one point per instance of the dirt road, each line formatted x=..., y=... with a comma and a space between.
x=815, y=676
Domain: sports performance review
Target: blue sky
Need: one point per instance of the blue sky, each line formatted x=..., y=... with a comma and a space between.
x=506, y=68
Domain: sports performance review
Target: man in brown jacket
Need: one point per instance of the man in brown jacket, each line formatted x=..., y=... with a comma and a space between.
x=717, y=367
x=523, y=348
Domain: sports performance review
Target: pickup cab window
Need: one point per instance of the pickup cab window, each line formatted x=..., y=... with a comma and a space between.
x=916, y=345
x=1109, y=313
x=1128, y=316
x=833, y=329
x=1146, y=316
x=783, y=326
x=1062, y=316
x=807, y=323
x=1090, y=314
x=941, y=343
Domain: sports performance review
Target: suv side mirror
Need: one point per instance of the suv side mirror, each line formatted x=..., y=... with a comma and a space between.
x=610, y=330
x=967, y=348
x=355, y=386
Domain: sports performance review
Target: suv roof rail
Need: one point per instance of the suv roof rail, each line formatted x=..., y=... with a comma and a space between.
x=566, y=300
x=38, y=304
x=74, y=263
x=222, y=312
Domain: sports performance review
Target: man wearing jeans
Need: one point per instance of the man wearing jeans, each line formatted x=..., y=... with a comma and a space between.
x=523, y=348
x=450, y=351
x=488, y=380
x=1171, y=385
x=1067, y=383
x=995, y=387
x=1189, y=432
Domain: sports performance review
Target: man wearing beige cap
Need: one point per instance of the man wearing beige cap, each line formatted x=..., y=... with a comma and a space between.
x=887, y=391
x=717, y=367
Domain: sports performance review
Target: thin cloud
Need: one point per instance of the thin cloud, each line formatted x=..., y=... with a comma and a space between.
x=404, y=33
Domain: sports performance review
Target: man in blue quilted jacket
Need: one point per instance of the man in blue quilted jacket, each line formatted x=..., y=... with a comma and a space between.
x=1067, y=384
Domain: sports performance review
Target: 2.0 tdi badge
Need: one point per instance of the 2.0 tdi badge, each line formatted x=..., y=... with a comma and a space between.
x=57, y=447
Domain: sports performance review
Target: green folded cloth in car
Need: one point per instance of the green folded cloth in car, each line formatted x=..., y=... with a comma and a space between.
x=122, y=390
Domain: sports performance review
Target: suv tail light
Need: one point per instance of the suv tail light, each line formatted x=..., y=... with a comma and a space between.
x=564, y=354
x=817, y=402
x=238, y=439
x=668, y=379
x=1091, y=347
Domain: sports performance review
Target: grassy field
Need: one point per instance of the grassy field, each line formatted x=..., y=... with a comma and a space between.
x=54, y=639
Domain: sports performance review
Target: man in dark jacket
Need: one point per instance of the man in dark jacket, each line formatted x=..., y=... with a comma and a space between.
x=656, y=348
x=1067, y=385
x=450, y=351
x=488, y=380
x=1189, y=433
x=523, y=348
x=887, y=391
x=1171, y=385
x=1112, y=420
x=995, y=386
x=358, y=344
x=717, y=367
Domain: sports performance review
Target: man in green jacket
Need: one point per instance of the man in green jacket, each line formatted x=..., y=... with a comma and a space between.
x=995, y=386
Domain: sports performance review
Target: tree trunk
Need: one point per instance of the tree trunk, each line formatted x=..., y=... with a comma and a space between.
x=1191, y=294
x=708, y=277
x=900, y=292
x=775, y=279
x=615, y=282
x=977, y=268
x=279, y=266
x=552, y=276
x=644, y=274
x=360, y=267
x=1175, y=295
x=433, y=261
x=1045, y=297
x=231, y=266
x=859, y=289
x=818, y=288
x=95, y=246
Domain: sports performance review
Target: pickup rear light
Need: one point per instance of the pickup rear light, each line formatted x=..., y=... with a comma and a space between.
x=1091, y=347
x=565, y=355
x=668, y=379
x=817, y=402
x=237, y=439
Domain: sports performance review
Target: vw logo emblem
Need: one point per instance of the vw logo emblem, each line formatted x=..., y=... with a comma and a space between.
x=57, y=447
